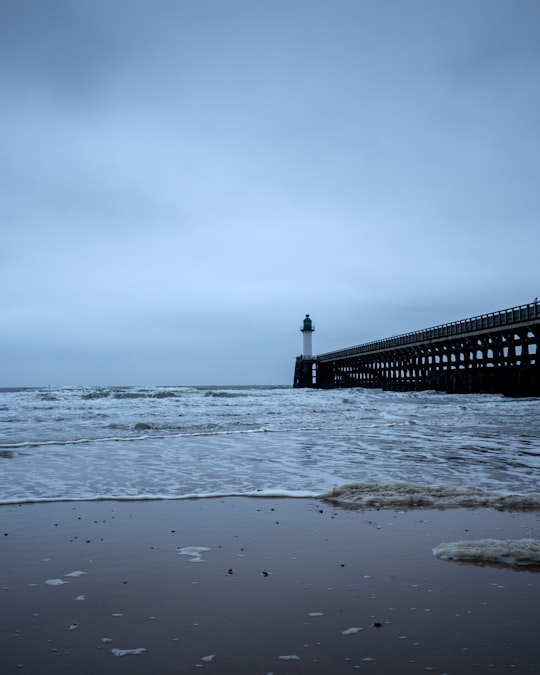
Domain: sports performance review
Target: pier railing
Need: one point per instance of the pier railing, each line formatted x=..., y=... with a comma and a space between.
x=506, y=317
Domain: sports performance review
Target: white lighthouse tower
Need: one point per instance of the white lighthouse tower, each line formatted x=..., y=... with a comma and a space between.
x=306, y=369
x=307, y=331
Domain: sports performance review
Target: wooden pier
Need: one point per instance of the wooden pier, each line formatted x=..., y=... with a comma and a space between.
x=491, y=353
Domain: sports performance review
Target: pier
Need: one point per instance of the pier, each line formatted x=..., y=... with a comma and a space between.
x=491, y=353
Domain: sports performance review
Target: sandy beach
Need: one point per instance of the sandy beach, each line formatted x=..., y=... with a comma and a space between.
x=240, y=585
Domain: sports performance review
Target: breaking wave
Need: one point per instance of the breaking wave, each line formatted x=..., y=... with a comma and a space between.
x=140, y=426
x=122, y=394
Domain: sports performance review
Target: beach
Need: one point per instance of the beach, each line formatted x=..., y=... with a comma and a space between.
x=260, y=585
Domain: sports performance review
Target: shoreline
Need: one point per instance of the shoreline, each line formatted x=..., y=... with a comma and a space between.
x=359, y=495
x=270, y=584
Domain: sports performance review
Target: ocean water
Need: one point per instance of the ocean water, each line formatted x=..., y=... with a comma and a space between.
x=79, y=443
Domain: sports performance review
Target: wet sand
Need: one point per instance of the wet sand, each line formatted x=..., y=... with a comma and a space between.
x=286, y=586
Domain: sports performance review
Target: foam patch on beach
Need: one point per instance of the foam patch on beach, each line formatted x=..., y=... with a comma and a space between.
x=128, y=652
x=512, y=552
x=411, y=495
x=352, y=630
x=289, y=657
x=194, y=552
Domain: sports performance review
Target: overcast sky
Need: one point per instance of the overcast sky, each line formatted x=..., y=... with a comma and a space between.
x=182, y=180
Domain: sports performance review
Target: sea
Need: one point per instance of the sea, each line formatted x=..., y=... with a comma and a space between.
x=177, y=442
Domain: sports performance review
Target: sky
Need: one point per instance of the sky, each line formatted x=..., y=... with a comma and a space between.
x=181, y=182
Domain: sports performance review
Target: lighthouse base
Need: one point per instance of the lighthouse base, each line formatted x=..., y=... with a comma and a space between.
x=305, y=373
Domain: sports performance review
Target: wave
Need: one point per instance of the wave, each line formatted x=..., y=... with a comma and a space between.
x=258, y=494
x=143, y=394
x=224, y=394
x=356, y=495
x=141, y=426
x=92, y=395
x=127, y=394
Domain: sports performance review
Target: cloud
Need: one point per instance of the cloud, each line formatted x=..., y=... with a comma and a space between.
x=52, y=49
x=501, y=46
x=179, y=179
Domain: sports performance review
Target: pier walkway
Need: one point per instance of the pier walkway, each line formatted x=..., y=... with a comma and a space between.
x=495, y=353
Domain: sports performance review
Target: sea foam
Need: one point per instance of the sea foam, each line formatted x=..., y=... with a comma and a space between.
x=434, y=496
x=522, y=552
x=126, y=652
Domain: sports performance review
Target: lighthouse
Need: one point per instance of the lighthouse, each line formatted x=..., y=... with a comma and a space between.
x=307, y=331
x=305, y=371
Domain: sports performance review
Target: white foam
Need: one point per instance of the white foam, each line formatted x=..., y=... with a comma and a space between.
x=522, y=552
x=77, y=573
x=55, y=582
x=81, y=597
x=387, y=495
x=289, y=657
x=194, y=552
x=291, y=494
x=126, y=652
x=208, y=658
x=352, y=630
